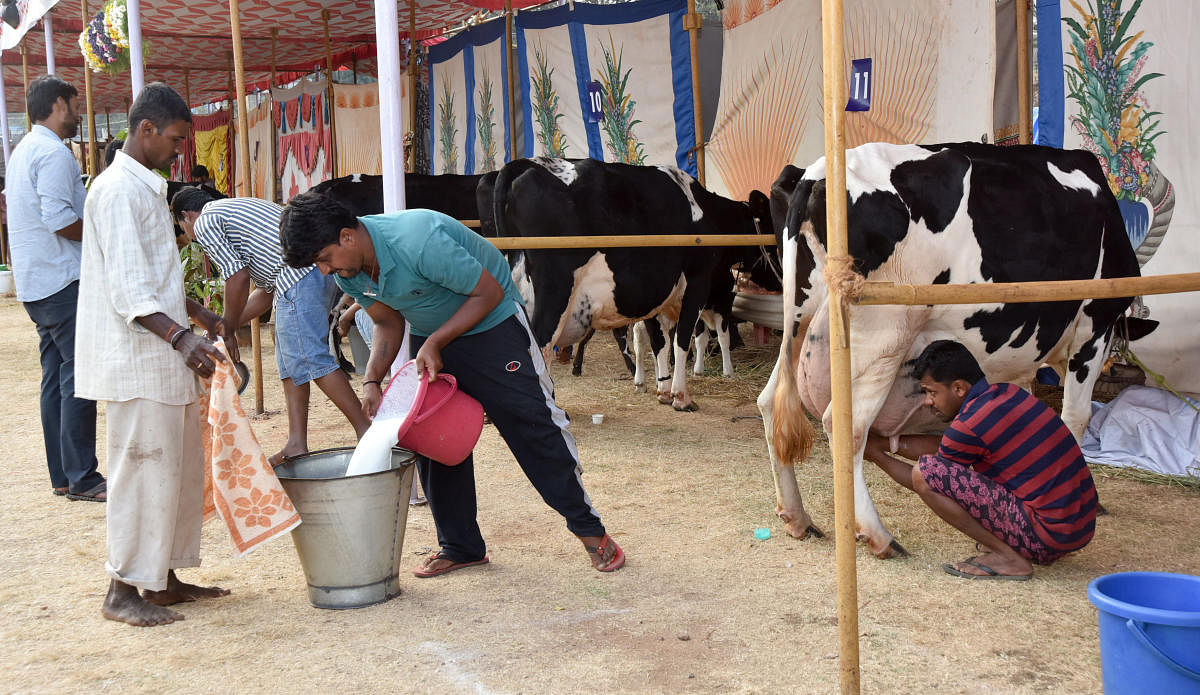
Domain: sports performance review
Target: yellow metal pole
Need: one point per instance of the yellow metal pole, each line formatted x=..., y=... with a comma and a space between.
x=275, y=183
x=412, y=85
x=1024, y=125
x=692, y=23
x=510, y=35
x=839, y=339
x=333, y=167
x=25, y=79
x=90, y=155
x=243, y=174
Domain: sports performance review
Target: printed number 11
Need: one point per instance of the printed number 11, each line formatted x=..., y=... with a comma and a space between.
x=865, y=82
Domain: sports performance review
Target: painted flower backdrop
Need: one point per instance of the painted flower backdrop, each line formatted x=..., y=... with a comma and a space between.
x=447, y=129
x=619, y=108
x=1115, y=122
x=485, y=124
x=1114, y=119
x=545, y=108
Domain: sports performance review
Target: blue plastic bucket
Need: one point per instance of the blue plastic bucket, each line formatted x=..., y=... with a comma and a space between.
x=1149, y=632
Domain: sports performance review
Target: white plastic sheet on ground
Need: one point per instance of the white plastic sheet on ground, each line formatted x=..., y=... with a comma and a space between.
x=1145, y=428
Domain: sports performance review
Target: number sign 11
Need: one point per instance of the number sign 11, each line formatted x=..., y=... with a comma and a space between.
x=860, y=85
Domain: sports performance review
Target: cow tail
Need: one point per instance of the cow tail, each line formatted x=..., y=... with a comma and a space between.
x=792, y=434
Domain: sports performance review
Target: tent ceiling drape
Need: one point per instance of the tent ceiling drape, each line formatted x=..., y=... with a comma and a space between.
x=196, y=36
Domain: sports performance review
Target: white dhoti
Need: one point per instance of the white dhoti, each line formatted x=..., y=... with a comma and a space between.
x=155, y=490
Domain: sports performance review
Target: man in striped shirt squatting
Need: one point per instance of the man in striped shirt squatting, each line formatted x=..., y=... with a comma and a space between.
x=241, y=237
x=1007, y=472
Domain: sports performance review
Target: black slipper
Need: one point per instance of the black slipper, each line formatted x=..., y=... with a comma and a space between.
x=989, y=572
x=96, y=494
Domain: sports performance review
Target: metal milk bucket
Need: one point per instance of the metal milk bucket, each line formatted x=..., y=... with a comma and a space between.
x=352, y=533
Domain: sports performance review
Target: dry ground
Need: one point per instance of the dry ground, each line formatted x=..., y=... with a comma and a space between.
x=701, y=607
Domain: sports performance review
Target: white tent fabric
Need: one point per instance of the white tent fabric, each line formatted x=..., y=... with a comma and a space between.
x=932, y=70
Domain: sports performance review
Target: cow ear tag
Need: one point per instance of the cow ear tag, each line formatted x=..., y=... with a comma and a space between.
x=860, y=85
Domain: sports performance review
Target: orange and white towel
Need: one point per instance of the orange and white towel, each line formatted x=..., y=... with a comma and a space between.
x=239, y=485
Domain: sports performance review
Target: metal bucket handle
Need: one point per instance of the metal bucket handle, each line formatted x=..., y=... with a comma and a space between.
x=1140, y=633
x=428, y=412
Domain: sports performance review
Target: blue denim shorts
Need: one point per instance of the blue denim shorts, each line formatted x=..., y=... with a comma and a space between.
x=302, y=328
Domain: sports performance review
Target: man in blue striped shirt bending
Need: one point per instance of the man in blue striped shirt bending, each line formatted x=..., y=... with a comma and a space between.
x=241, y=237
x=1007, y=472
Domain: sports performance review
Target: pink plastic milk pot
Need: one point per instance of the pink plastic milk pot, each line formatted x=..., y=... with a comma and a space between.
x=442, y=422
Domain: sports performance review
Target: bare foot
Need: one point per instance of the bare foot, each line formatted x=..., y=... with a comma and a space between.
x=124, y=605
x=179, y=592
x=288, y=451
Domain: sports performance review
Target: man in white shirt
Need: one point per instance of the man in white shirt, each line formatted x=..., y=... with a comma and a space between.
x=45, y=211
x=137, y=354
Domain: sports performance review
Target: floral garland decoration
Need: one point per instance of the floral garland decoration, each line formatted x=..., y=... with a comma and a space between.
x=104, y=42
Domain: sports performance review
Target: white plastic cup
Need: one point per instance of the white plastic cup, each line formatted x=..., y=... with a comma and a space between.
x=597, y=418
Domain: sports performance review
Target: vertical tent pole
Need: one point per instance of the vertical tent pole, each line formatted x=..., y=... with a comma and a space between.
x=412, y=85
x=510, y=35
x=92, y=166
x=187, y=97
x=4, y=117
x=137, y=67
x=25, y=79
x=692, y=23
x=276, y=193
x=49, y=30
x=839, y=339
x=4, y=135
x=391, y=131
x=243, y=174
x=330, y=98
x=107, y=125
x=1024, y=126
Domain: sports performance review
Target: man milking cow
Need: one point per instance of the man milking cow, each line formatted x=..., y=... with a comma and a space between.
x=1007, y=472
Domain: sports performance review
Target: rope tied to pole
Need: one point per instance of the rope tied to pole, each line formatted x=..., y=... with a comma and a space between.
x=840, y=273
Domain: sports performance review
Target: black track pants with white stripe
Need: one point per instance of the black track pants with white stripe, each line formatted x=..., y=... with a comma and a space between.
x=503, y=369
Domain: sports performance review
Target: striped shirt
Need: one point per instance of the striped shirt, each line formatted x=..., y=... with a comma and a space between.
x=1006, y=434
x=239, y=233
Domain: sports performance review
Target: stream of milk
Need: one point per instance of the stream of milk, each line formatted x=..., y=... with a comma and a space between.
x=374, y=450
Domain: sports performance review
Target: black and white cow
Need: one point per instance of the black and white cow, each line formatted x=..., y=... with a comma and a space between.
x=452, y=194
x=957, y=213
x=577, y=290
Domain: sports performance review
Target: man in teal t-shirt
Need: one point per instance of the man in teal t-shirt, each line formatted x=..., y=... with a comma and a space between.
x=455, y=290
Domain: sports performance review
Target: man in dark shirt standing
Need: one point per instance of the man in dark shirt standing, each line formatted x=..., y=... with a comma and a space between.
x=1007, y=472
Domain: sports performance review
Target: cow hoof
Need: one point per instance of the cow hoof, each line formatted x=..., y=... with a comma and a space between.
x=800, y=529
x=639, y=388
x=890, y=551
x=665, y=399
x=685, y=408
